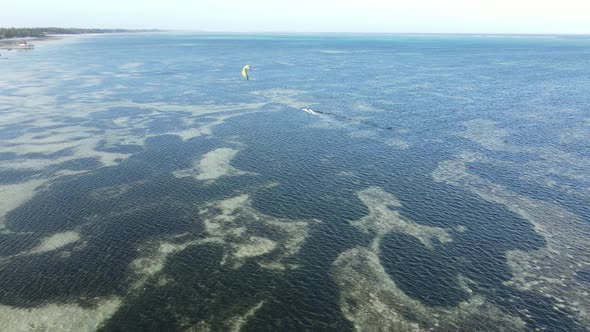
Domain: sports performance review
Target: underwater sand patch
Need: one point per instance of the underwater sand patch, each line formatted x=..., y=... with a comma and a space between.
x=13, y=195
x=550, y=271
x=212, y=166
x=397, y=144
x=154, y=254
x=57, y=317
x=55, y=242
x=546, y=170
x=384, y=218
x=204, y=129
x=239, y=225
x=81, y=142
x=234, y=225
x=487, y=134
x=372, y=301
x=254, y=246
x=43, y=112
x=236, y=323
x=287, y=97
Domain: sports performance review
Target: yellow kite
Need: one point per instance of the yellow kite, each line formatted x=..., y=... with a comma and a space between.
x=245, y=72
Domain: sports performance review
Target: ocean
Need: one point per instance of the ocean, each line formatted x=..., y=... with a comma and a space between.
x=355, y=182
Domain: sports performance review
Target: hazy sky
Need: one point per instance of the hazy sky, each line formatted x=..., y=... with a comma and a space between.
x=501, y=16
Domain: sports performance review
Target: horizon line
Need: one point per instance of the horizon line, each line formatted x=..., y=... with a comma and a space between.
x=147, y=30
x=380, y=32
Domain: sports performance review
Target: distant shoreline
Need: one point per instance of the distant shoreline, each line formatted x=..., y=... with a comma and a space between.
x=13, y=42
x=16, y=33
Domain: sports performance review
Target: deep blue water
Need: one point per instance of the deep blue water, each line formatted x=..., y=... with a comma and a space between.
x=104, y=120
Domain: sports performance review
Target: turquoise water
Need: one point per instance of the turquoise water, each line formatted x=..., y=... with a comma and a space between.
x=441, y=182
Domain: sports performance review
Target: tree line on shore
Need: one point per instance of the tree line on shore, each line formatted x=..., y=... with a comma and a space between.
x=41, y=32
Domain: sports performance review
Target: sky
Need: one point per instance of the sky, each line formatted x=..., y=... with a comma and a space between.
x=410, y=16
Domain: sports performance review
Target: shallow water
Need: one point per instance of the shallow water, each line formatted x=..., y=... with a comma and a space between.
x=443, y=183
